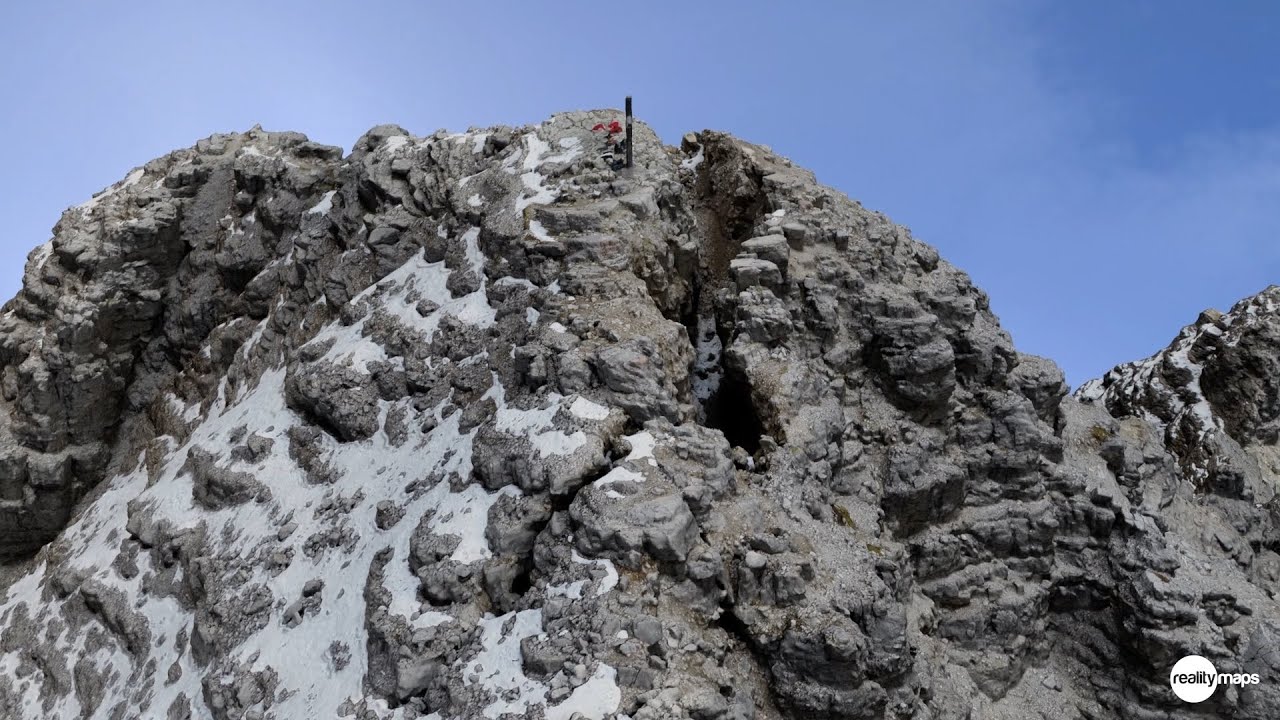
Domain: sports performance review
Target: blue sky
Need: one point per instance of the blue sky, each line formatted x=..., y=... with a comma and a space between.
x=1103, y=170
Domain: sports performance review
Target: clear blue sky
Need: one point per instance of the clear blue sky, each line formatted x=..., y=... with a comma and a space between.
x=1104, y=170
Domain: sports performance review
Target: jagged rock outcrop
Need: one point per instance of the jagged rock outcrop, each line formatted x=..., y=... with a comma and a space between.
x=478, y=425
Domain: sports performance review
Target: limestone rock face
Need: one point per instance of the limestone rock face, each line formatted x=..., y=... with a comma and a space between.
x=478, y=425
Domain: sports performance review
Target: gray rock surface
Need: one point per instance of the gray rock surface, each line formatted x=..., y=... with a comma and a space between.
x=476, y=425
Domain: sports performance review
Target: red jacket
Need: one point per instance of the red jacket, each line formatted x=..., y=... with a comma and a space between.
x=613, y=127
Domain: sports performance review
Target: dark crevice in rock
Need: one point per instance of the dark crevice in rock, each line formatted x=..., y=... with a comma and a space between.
x=317, y=420
x=736, y=628
x=523, y=581
x=726, y=204
x=731, y=411
x=435, y=600
x=561, y=503
x=738, y=631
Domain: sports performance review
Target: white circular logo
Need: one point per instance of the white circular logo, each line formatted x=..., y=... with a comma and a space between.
x=1193, y=678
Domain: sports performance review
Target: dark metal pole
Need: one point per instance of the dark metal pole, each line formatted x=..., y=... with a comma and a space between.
x=628, y=131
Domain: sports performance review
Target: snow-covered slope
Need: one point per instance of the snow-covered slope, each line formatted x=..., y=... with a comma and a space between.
x=241, y=561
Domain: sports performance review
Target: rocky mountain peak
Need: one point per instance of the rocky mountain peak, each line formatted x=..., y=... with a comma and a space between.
x=484, y=425
x=1214, y=394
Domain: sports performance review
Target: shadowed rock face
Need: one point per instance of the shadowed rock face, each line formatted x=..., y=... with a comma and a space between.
x=471, y=424
x=125, y=295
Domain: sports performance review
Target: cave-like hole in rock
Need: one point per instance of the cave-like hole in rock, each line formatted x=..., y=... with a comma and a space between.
x=523, y=582
x=731, y=411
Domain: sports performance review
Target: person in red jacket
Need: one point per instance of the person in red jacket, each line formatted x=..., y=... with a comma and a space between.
x=613, y=140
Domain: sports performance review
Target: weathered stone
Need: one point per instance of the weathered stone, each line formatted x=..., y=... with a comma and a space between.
x=342, y=399
x=772, y=248
x=748, y=272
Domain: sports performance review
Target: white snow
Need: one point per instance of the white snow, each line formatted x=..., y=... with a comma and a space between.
x=399, y=294
x=572, y=590
x=595, y=699
x=1200, y=407
x=588, y=410
x=471, y=241
x=383, y=470
x=350, y=348
x=30, y=700
x=394, y=143
x=571, y=150
x=246, y=350
x=642, y=445
x=538, y=231
x=499, y=669
x=692, y=163
x=466, y=515
x=325, y=204
x=535, y=157
x=707, y=370
x=619, y=474
x=129, y=181
x=475, y=200
x=522, y=282
x=500, y=666
x=535, y=424
x=540, y=195
x=610, y=580
x=1092, y=390
x=24, y=590
x=41, y=254
x=509, y=162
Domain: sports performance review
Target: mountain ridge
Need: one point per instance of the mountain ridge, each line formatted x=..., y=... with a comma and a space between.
x=476, y=423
